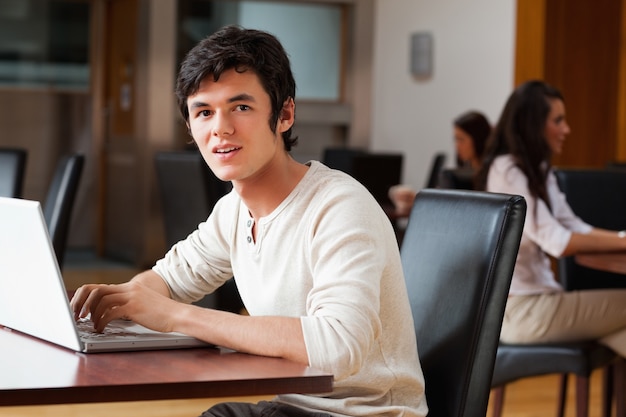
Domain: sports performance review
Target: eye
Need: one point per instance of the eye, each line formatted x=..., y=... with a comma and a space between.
x=205, y=113
x=243, y=107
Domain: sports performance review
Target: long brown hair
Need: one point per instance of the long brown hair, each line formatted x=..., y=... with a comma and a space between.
x=520, y=133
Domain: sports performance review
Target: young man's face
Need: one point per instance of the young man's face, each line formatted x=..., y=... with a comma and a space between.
x=229, y=120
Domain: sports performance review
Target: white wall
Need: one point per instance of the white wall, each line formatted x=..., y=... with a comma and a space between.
x=473, y=69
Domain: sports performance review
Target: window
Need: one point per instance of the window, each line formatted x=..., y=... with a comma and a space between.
x=44, y=44
x=310, y=33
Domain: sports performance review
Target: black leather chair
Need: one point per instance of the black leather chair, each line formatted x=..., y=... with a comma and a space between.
x=598, y=196
x=439, y=159
x=514, y=362
x=378, y=172
x=59, y=202
x=341, y=158
x=616, y=165
x=594, y=196
x=189, y=190
x=12, y=169
x=457, y=179
x=458, y=255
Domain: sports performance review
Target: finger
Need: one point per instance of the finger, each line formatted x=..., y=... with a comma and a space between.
x=78, y=300
x=109, y=315
x=106, y=309
x=91, y=298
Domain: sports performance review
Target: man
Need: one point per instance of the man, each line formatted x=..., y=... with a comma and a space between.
x=314, y=257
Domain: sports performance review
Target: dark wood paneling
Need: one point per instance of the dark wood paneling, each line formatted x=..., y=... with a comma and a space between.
x=582, y=57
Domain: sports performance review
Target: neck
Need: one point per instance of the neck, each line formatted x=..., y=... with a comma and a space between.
x=264, y=193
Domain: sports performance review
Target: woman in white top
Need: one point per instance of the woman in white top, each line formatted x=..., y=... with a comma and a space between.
x=531, y=129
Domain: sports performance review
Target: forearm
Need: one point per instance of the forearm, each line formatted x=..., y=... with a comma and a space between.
x=598, y=240
x=262, y=335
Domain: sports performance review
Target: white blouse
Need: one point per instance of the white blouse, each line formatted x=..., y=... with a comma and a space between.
x=546, y=232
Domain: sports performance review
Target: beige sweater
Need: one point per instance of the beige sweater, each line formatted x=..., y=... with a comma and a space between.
x=328, y=255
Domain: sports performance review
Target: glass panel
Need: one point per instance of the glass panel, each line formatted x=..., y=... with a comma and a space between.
x=310, y=33
x=44, y=43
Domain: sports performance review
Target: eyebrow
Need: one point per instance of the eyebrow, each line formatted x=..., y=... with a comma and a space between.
x=238, y=97
x=241, y=97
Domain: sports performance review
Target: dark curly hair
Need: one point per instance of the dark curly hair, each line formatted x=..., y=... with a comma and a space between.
x=233, y=47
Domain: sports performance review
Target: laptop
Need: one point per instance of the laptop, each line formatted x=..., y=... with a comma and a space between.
x=33, y=298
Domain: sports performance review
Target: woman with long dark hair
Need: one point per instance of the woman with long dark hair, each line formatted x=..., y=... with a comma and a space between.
x=517, y=160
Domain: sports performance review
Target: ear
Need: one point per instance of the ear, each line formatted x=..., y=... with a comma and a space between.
x=287, y=115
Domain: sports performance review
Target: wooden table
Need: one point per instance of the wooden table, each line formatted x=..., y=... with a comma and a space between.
x=610, y=262
x=33, y=372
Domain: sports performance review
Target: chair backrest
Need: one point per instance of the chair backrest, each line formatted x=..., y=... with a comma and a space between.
x=12, y=168
x=378, y=172
x=616, y=165
x=188, y=189
x=457, y=179
x=458, y=255
x=341, y=158
x=435, y=170
x=598, y=196
x=59, y=202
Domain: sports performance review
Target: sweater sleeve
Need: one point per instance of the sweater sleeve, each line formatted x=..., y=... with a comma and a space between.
x=351, y=242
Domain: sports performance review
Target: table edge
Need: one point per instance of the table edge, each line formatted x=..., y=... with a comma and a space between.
x=166, y=391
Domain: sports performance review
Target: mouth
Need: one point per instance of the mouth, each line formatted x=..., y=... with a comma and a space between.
x=226, y=150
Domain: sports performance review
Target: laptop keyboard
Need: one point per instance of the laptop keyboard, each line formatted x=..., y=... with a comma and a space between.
x=86, y=330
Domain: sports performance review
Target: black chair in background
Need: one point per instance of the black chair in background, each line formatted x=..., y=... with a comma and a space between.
x=457, y=179
x=12, y=169
x=59, y=202
x=597, y=196
x=341, y=158
x=435, y=170
x=189, y=191
x=514, y=362
x=376, y=171
x=616, y=165
x=458, y=290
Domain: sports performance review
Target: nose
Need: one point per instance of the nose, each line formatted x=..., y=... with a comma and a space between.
x=222, y=124
x=566, y=129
